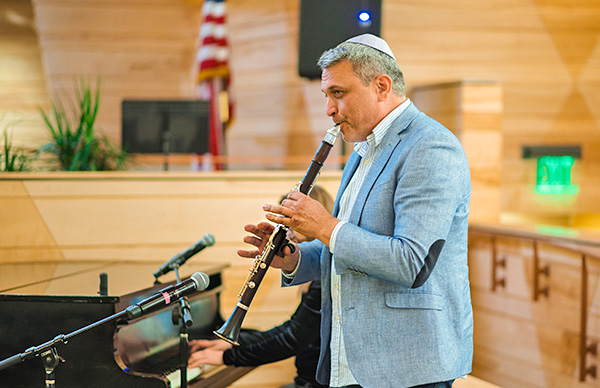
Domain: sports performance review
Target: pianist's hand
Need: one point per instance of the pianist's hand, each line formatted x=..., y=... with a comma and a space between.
x=207, y=352
x=209, y=344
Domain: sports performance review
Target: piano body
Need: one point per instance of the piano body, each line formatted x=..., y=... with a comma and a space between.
x=140, y=353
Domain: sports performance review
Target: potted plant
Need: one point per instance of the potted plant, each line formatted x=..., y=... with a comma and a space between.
x=76, y=143
x=13, y=158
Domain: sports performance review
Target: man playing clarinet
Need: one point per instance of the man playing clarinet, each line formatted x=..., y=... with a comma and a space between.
x=392, y=259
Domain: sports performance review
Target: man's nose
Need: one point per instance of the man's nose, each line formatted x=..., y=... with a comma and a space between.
x=331, y=107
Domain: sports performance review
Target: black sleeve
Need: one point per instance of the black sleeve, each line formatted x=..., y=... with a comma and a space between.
x=283, y=341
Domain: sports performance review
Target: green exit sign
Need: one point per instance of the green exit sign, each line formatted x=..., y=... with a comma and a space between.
x=553, y=167
x=554, y=175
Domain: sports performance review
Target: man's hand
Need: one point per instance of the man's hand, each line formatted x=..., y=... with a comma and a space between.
x=261, y=234
x=304, y=215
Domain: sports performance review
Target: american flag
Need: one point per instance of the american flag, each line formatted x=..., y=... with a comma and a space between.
x=213, y=72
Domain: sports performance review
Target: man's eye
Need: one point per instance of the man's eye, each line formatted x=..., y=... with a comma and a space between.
x=334, y=93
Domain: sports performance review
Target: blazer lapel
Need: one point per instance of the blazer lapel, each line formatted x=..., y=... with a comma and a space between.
x=349, y=169
x=390, y=141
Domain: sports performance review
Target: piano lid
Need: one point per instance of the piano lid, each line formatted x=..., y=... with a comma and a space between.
x=149, y=344
x=29, y=320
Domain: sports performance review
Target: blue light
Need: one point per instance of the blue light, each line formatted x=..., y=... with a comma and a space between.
x=364, y=16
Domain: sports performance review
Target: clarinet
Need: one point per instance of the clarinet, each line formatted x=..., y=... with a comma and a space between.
x=230, y=330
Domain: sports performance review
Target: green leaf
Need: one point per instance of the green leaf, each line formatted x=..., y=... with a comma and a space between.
x=78, y=145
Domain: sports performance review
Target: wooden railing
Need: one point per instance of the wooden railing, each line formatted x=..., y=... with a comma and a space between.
x=585, y=247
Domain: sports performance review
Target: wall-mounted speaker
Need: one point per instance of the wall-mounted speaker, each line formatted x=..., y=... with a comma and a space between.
x=325, y=23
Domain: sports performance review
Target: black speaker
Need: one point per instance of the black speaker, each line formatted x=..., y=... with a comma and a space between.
x=326, y=23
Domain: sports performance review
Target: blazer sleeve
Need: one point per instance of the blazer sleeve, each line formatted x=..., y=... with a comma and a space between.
x=310, y=264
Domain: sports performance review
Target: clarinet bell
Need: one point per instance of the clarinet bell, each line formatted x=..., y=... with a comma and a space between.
x=230, y=331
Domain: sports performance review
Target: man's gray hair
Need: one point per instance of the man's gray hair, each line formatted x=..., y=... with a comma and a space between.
x=366, y=62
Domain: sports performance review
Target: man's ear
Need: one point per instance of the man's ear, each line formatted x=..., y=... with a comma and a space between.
x=383, y=83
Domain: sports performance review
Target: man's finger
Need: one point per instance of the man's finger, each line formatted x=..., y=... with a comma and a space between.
x=248, y=254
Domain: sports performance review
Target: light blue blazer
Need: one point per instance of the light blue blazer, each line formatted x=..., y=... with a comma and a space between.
x=406, y=307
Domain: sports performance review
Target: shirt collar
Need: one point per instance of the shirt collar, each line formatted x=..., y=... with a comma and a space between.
x=374, y=139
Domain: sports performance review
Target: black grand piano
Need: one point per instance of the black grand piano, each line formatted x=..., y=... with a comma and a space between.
x=140, y=353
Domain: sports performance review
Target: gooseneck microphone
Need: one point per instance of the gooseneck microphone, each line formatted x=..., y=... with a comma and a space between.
x=180, y=258
x=197, y=282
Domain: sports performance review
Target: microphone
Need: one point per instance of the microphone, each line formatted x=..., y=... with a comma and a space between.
x=180, y=258
x=197, y=282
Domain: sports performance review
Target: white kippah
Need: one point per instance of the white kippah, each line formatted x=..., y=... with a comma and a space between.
x=373, y=41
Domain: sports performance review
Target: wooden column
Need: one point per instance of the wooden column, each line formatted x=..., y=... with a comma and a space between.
x=473, y=112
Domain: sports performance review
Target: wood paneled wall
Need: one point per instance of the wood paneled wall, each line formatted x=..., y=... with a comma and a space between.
x=61, y=230
x=544, y=55
x=473, y=112
x=22, y=79
x=139, y=49
x=89, y=219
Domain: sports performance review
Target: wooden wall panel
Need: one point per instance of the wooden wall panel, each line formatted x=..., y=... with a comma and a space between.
x=61, y=230
x=473, y=112
x=78, y=223
x=22, y=78
x=128, y=224
x=139, y=48
x=544, y=56
x=542, y=77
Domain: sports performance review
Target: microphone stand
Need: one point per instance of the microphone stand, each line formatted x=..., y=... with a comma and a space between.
x=50, y=360
x=48, y=353
x=182, y=313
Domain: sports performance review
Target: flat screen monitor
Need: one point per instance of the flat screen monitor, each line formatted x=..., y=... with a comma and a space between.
x=165, y=126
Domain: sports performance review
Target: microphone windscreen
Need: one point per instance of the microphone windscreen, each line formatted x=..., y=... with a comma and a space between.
x=201, y=280
x=208, y=239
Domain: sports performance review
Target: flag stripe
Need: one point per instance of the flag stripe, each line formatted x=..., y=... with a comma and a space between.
x=212, y=64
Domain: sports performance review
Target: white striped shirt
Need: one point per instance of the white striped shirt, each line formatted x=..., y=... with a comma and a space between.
x=340, y=371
